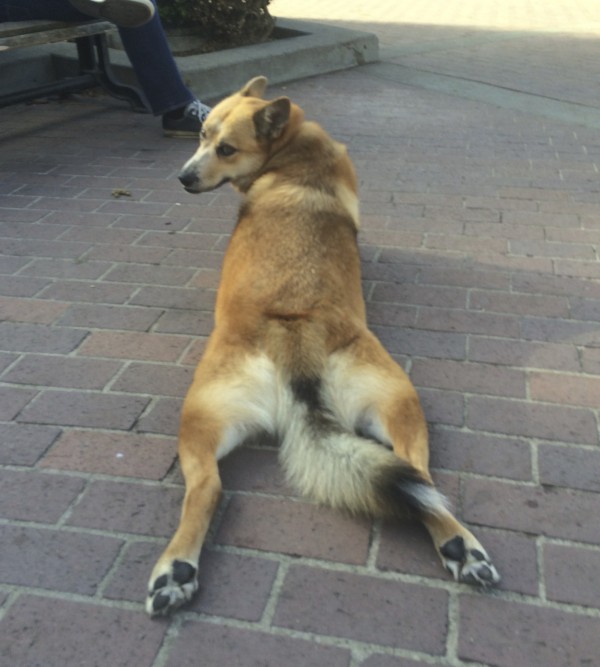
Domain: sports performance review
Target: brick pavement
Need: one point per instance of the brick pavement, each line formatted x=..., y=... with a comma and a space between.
x=482, y=275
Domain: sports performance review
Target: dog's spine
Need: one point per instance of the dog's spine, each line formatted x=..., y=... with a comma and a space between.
x=345, y=470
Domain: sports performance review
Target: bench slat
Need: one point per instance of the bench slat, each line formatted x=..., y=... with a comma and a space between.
x=21, y=34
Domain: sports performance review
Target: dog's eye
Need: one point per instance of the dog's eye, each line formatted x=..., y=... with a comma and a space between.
x=225, y=150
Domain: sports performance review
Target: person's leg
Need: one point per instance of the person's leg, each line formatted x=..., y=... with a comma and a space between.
x=124, y=13
x=150, y=54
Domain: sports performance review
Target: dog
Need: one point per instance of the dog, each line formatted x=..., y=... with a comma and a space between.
x=291, y=353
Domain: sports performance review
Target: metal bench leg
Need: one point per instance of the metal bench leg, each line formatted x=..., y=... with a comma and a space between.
x=94, y=59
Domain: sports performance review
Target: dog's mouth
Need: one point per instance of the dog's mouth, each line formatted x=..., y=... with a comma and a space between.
x=222, y=182
x=197, y=188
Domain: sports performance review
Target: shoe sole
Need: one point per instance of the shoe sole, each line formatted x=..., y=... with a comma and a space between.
x=181, y=134
x=123, y=13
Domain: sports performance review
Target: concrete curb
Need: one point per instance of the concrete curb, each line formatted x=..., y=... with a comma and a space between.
x=312, y=49
x=316, y=49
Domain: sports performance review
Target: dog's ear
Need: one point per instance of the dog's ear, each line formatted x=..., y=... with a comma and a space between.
x=255, y=87
x=270, y=121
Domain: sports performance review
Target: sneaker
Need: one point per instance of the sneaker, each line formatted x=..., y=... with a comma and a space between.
x=186, y=123
x=124, y=13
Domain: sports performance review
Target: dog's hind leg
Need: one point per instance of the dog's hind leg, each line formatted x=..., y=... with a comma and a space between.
x=373, y=395
x=460, y=551
x=173, y=580
x=220, y=410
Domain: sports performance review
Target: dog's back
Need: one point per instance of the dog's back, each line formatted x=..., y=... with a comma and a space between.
x=291, y=277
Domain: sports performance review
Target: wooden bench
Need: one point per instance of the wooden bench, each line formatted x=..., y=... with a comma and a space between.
x=92, y=51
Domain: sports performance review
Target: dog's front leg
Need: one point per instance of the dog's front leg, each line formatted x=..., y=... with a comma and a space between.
x=174, y=577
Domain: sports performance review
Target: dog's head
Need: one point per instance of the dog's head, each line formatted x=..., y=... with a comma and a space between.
x=237, y=139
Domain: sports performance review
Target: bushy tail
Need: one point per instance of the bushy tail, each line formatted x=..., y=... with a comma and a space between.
x=343, y=469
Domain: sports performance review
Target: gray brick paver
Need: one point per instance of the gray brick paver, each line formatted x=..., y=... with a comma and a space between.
x=24, y=445
x=84, y=408
x=234, y=646
x=122, y=507
x=122, y=454
x=53, y=371
x=570, y=573
x=551, y=511
x=508, y=634
x=364, y=608
x=89, y=634
x=576, y=468
x=294, y=528
x=480, y=241
x=29, y=496
x=74, y=563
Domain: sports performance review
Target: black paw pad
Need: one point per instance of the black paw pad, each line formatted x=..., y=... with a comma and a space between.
x=454, y=549
x=161, y=582
x=485, y=574
x=478, y=555
x=160, y=602
x=183, y=572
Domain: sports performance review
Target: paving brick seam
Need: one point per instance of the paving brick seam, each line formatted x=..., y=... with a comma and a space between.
x=541, y=568
x=128, y=538
x=112, y=570
x=91, y=429
x=459, y=591
x=368, y=569
x=286, y=562
x=177, y=623
x=532, y=441
x=402, y=577
x=70, y=597
x=453, y=630
x=505, y=316
x=93, y=476
x=355, y=646
x=266, y=621
x=535, y=463
x=466, y=394
x=360, y=646
x=359, y=649
x=374, y=545
x=557, y=541
x=166, y=484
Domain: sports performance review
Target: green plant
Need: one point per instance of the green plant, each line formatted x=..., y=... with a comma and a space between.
x=222, y=22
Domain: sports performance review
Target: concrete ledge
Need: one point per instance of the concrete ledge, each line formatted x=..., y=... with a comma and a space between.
x=315, y=49
x=306, y=49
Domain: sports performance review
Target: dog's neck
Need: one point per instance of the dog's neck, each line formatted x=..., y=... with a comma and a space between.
x=293, y=128
x=291, y=171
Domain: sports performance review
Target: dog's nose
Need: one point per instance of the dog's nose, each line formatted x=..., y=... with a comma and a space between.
x=188, y=178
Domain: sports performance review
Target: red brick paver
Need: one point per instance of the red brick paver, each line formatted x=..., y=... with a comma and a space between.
x=476, y=145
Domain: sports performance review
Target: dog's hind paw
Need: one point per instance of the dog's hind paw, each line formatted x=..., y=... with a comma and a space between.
x=171, y=587
x=469, y=565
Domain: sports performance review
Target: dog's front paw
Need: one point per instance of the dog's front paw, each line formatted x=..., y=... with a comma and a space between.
x=170, y=586
x=469, y=565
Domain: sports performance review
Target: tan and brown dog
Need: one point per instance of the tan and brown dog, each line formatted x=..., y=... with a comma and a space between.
x=291, y=353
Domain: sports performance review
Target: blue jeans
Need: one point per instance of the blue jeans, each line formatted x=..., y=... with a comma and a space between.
x=147, y=48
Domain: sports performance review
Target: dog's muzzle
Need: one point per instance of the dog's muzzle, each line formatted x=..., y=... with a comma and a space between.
x=189, y=180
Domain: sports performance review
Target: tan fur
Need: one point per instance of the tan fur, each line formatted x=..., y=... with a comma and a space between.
x=291, y=353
